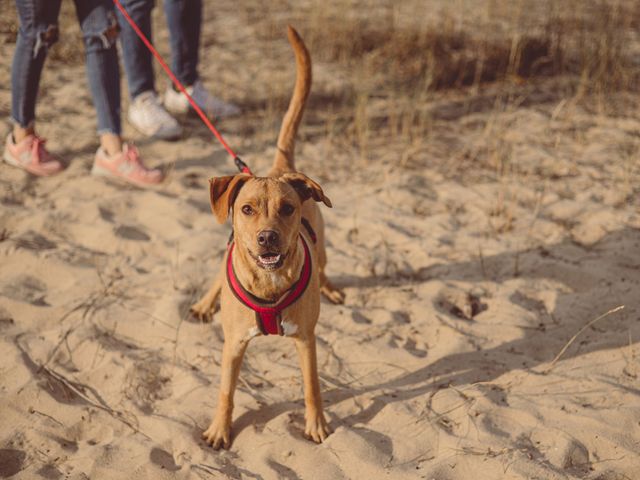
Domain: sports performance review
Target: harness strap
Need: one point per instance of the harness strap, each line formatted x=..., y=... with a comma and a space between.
x=310, y=230
x=268, y=314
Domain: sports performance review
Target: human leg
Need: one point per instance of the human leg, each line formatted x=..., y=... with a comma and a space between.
x=184, y=19
x=38, y=31
x=137, y=60
x=114, y=157
x=145, y=110
x=100, y=32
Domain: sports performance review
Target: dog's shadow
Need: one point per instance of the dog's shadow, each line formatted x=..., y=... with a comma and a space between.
x=610, y=268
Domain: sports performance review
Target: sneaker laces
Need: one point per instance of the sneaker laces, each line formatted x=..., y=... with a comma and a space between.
x=37, y=148
x=132, y=156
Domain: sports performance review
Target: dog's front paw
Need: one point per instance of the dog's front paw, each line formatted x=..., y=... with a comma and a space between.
x=316, y=428
x=218, y=434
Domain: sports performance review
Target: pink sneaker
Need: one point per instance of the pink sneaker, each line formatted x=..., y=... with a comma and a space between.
x=126, y=165
x=30, y=155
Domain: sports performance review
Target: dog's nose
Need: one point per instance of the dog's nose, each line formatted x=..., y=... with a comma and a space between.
x=268, y=238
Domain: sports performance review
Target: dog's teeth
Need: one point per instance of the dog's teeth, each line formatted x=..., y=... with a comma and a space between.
x=268, y=260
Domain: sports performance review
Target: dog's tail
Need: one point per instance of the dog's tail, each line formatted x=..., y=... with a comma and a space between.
x=284, y=161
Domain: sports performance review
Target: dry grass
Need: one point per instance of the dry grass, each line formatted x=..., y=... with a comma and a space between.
x=399, y=63
x=425, y=58
x=586, y=39
x=491, y=59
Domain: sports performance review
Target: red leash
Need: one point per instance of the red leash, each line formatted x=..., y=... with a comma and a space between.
x=239, y=163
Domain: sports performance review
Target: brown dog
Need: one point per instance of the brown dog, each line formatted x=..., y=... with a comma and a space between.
x=273, y=271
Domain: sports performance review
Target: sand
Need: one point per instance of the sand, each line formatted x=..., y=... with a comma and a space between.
x=462, y=286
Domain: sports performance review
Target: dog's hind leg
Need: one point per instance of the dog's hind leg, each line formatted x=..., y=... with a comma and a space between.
x=330, y=291
x=219, y=432
x=316, y=427
x=203, y=308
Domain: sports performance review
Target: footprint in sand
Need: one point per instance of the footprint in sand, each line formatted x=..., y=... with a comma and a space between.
x=11, y=461
x=26, y=288
x=282, y=471
x=563, y=451
x=34, y=241
x=116, y=213
x=527, y=302
x=459, y=303
x=360, y=318
x=163, y=459
x=364, y=444
x=106, y=214
x=411, y=346
x=50, y=472
x=130, y=232
x=6, y=320
x=146, y=384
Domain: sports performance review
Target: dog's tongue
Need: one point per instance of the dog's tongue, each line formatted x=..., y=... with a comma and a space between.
x=269, y=258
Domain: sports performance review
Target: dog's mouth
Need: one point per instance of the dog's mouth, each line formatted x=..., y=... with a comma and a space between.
x=270, y=260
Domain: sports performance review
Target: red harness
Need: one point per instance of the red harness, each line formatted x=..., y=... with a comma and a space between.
x=268, y=314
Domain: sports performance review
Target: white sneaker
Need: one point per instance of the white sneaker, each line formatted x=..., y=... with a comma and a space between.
x=147, y=114
x=176, y=102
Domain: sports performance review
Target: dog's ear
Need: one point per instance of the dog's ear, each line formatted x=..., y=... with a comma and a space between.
x=306, y=188
x=223, y=192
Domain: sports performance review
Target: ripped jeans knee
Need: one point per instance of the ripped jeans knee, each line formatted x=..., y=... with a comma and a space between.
x=45, y=37
x=102, y=39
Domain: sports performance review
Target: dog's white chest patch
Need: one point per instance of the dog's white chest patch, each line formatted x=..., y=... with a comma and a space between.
x=277, y=281
x=289, y=328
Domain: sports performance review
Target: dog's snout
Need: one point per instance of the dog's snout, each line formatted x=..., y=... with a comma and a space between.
x=268, y=238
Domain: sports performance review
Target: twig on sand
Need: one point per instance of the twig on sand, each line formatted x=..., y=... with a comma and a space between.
x=33, y=410
x=84, y=392
x=571, y=340
x=79, y=389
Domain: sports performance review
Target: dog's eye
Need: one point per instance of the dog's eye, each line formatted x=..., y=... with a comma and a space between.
x=247, y=210
x=287, y=209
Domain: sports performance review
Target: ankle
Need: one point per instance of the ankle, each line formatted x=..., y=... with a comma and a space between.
x=186, y=85
x=111, y=143
x=20, y=133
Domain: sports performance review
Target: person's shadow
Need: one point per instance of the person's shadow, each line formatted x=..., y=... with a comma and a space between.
x=593, y=280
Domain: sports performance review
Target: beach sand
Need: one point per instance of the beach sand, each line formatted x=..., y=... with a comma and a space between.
x=462, y=283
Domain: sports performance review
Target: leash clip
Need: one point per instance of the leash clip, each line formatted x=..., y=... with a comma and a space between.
x=241, y=165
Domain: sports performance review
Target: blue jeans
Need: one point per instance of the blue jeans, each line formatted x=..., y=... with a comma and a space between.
x=184, y=18
x=39, y=30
